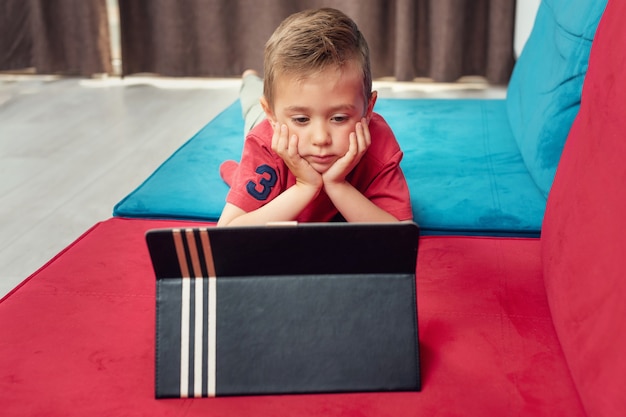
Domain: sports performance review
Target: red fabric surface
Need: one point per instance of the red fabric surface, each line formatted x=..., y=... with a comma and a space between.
x=584, y=237
x=78, y=337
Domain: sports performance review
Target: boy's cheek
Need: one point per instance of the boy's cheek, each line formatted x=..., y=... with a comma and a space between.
x=344, y=143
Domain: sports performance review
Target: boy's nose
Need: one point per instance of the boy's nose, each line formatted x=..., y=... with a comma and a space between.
x=320, y=136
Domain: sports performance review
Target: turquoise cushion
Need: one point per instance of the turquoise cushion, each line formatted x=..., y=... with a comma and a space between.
x=464, y=170
x=188, y=185
x=461, y=162
x=544, y=92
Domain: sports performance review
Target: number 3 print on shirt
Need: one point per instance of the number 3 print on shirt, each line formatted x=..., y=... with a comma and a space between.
x=268, y=179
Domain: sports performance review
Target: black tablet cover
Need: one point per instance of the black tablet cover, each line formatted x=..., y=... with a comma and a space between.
x=285, y=309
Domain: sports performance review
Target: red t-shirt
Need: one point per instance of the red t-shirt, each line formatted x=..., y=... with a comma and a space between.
x=262, y=175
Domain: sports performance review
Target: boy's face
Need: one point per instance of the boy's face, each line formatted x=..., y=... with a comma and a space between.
x=321, y=110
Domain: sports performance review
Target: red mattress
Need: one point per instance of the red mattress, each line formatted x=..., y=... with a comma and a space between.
x=77, y=337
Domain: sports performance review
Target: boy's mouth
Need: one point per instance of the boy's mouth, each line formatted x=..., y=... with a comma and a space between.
x=322, y=159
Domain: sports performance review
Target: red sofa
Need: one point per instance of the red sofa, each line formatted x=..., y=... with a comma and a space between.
x=508, y=326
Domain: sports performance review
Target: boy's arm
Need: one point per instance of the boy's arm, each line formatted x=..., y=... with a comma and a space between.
x=354, y=206
x=349, y=201
x=288, y=204
x=284, y=207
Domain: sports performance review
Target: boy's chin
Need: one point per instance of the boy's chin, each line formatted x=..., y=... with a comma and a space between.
x=320, y=169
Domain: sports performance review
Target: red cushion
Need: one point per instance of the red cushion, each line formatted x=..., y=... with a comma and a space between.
x=77, y=338
x=584, y=237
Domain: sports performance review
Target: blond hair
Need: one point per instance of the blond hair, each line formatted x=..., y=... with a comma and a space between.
x=311, y=41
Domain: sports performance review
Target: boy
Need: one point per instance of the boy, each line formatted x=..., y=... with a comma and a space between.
x=321, y=154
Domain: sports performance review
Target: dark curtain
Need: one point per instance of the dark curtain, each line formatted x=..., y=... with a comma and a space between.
x=69, y=37
x=438, y=39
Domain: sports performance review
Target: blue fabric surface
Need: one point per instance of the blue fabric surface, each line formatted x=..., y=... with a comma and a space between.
x=543, y=96
x=188, y=185
x=461, y=162
x=464, y=170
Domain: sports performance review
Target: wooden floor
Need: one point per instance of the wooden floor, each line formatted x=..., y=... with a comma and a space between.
x=70, y=149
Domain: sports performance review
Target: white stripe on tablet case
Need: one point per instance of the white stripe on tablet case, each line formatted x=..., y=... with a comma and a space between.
x=204, y=328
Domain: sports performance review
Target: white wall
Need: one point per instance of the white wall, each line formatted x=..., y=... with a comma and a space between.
x=525, y=13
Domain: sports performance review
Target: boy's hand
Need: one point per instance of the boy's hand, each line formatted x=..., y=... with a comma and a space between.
x=360, y=141
x=287, y=148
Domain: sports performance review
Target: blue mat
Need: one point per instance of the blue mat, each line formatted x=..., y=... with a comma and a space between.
x=462, y=164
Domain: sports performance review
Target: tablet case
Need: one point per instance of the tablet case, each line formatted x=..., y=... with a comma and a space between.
x=276, y=310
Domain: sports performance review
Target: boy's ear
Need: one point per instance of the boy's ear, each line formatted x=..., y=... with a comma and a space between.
x=268, y=111
x=370, y=106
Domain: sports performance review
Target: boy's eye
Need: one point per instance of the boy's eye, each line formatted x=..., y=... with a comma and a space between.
x=300, y=120
x=340, y=119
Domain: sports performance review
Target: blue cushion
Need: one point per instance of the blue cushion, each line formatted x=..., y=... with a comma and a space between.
x=463, y=167
x=461, y=162
x=188, y=185
x=544, y=92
